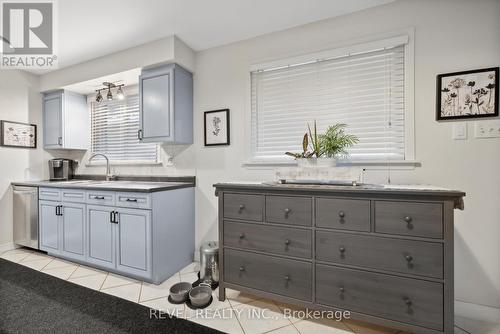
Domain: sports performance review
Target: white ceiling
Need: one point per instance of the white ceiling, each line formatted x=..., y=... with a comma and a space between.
x=93, y=28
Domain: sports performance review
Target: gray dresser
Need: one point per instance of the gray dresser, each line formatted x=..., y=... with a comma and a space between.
x=385, y=255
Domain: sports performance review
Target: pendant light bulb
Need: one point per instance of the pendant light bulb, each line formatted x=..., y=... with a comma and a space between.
x=109, y=96
x=98, y=97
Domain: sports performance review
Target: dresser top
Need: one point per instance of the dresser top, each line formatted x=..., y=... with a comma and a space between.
x=365, y=189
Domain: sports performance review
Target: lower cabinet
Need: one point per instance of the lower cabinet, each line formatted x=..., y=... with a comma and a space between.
x=73, y=230
x=49, y=226
x=100, y=236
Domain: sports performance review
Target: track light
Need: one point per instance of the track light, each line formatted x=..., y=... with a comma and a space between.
x=109, y=96
x=98, y=97
x=119, y=93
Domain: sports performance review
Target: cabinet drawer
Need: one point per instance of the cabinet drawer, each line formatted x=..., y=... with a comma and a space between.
x=49, y=194
x=345, y=214
x=73, y=195
x=406, y=218
x=133, y=200
x=276, y=275
x=406, y=300
x=269, y=239
x=241, y=206
x=100, y=197
x=289, y=210
x=404, y=256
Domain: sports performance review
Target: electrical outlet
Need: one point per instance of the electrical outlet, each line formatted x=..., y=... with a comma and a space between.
x=487, y=129
x=460, y=131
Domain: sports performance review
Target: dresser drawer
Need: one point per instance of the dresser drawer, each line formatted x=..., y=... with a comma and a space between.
x=345, y=214
x=242, y=206
x=49, y=194
x=289, y=210
x=269, y=239
x=99, y=197
x=407, y=218
x=276, y=275
x=133, y=200
x=404, y=256
x=411, y=301
x=73, y=195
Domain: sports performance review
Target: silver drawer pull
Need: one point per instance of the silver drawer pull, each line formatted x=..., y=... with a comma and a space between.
x=131, y=200
x=241, y=207
x=407, y=301
x=287, y=242
x=409, y=258
x=242, y=235
x=407, y=219
x=341, y=214
x=287, y=278
x=242, y=268
x=288, y=210
x=341, y=289
x=98, y=197
x=342, y=249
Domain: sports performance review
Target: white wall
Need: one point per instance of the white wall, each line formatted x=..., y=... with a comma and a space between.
x=20, y=101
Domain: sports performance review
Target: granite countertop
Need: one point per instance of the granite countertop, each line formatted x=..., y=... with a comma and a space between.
x=123, y=183
x=381, y=189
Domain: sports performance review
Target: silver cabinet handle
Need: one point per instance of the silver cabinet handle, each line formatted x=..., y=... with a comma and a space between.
x=242, y=268
x=409, y=258
x=407, y=219
x=287, y=278
x=342, y=249
x=287, y=242
x=242, y=235
x=287, y=210
x=59, y=141
x=341, y=214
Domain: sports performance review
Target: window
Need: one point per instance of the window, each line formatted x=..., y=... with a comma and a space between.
x=363, y=87
x=114, y=132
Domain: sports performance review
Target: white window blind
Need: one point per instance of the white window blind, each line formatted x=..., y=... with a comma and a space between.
x=114, y=131
x=364, y=91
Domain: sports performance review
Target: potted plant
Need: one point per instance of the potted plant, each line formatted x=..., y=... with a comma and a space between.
x=324, y=149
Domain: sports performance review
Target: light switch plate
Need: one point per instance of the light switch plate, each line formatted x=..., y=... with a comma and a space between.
x=487, y=129
x=460, y=131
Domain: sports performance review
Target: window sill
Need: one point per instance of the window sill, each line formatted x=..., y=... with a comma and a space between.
x=123, y=163
x=368, y=164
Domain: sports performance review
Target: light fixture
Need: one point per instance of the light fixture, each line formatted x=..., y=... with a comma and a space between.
x=119, y=93
x=109, y=96
x=98, y=97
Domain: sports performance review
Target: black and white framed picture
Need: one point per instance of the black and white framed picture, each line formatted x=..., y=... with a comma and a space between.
x=468, y=94
x=15, y=134
x=217, y=127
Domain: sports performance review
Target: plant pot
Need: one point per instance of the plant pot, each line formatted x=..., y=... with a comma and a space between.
x=317, y=162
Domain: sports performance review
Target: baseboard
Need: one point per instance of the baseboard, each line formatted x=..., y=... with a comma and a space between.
x=8, y=246
x=476, y=311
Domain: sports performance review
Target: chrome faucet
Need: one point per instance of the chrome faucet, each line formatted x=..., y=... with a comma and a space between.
x=109, y=176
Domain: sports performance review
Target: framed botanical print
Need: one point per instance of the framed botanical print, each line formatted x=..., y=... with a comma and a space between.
x=469, y=94
x=15, y=134
x=216, y=127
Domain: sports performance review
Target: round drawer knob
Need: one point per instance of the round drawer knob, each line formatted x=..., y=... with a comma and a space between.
x=341, y=289
x=409, y=258
x=407, y=219
x=407, y=301
x=242, y=268
x=287, y=278
x=242, y=235
x=287, y=242
x=287, y=210
x=342, y=249
x=341, y=214
x=242, y=207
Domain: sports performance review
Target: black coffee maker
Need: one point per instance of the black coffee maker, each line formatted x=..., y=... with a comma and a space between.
x=61, y=169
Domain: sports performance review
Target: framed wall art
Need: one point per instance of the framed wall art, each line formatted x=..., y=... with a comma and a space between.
x=468, y=94
x=15, y=134
x=216, y=127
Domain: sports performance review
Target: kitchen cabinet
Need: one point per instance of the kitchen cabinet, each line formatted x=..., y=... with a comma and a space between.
x=126, y=232
x=66, y=121
x=100, y=233
x=62, y=228
x=166, y=105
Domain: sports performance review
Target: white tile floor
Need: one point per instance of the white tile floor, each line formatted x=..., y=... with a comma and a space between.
x=230, y=316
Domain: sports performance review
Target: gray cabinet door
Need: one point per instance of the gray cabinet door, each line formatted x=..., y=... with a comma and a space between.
x=134, y=241
x=73, y=230
x=49, y=227
x=52, y=120
x=100, y=236
x=155, y=106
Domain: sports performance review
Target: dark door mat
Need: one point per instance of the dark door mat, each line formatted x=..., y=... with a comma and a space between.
x=33, y=302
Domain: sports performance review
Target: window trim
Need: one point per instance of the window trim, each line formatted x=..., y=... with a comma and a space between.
x=404, y=36
x=128, y=90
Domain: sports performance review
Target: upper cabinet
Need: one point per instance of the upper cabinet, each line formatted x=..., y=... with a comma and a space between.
x=166, y=105
x=66, y=121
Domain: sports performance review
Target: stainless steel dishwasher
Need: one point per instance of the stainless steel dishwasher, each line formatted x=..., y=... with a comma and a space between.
x=26, y=216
